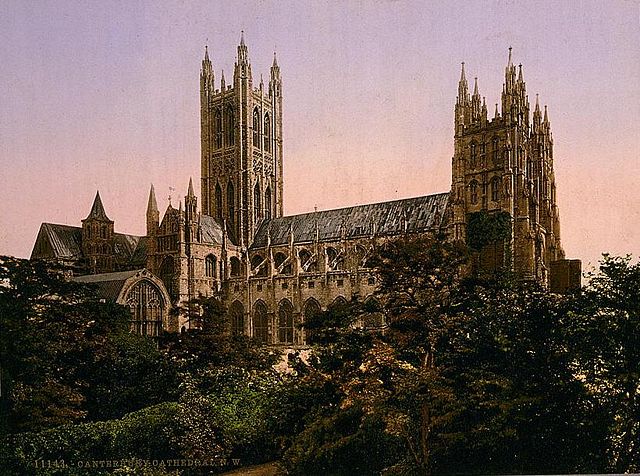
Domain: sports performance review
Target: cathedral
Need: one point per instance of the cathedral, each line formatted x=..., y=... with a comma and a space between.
x=274, y=271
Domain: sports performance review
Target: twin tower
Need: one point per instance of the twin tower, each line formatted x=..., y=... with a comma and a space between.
x=241, y=135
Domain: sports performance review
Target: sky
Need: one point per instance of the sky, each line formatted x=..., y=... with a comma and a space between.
x=104, y=95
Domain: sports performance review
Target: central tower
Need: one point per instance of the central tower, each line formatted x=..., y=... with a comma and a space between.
x=241, y=144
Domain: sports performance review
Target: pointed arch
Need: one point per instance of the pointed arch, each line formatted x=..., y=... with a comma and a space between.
x=210, y=266
x=236, y=318
x=256, y=128
x=279, y=259
x=495, y=189
x=230, y=126
x=256, y=261
x=473, y=191
x=260, y=322
x=310, y=311
x=257, y=202
x=338, y=303
x=218, y=198
x=334, y=260
x=285, y=322
x=236, y=266
x=231, y=202
x=217, y=128
x=307, y=263
x=267, y=203
x=147, y=305
x=267, y=132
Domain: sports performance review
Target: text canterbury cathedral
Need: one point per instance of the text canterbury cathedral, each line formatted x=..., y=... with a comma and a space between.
x=274, y=271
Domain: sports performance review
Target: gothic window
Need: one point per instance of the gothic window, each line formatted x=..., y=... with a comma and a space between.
x=473, y=156
x=260, y=322
x=339, y=303
x=256, y=128
x=147, y=306
x=236, y=318
x=257, y=203
x=210, y=266
x=495, y=189
x=230, y=126
x=267, y=133
x=236, y=268
x=306, y=262
x=231, y=201
x=473, y=191
x=285, y=322
x=217, y=124
x=279, y=259
x=218, y=201
x=310, y=311
x=267, y=203
x=334, y=260
x=167, y=275
x=495, y=149
x=256, y=261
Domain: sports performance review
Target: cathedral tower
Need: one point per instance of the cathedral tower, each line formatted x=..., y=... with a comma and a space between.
x=503, y=187
x=98, y=239
x=241, y=145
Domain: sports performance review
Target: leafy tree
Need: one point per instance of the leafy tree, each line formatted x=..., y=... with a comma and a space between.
x=607, y=326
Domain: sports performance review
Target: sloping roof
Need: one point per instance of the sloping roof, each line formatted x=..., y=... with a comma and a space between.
x=211, y=230
x=97, y=210
x=108, y=285
x=65, y=242
x=385, y=218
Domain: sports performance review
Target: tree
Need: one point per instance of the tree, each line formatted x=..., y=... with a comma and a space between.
x=607, y=326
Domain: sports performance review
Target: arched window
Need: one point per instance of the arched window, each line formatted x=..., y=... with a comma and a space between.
x=496, y=152
x=307, y=263
x=256, y=261
x=473, y=192
x=338, y=303
x=236, y=318
x=147, y=307
x=285, y=322
x=236, y=268
x=230, y=126
x=267, y=133
x=260, y=322
x=210, y=263
x=231, y=202
x=267, y=203
x=495, y=189
x=167, y=275
x=311, y=309
x=474, y=156
x=334, y=260
x=256, y=128
x=280, y=258
x=257, y=203
x=218, y=201
x=217, y=124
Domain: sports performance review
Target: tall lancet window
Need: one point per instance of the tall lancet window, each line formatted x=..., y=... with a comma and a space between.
x=217, y=125
x=256, y=128
x=267, y=203
x=218, y=202
x=257, y=202
x=231, y=202
x=267, y=133
x=230, y=126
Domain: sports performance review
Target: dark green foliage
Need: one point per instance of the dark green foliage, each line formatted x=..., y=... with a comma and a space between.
x=146, y=434
x=345, y=443
x=487, y=228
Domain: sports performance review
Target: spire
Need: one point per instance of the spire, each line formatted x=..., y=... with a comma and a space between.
x=242, y=38
x=275, y=61
x=496, y=114
x=190, y=193
x=546, y=117
x=520, y=72
x=97, y=210
x=152, y=206
x=243, y=57
x=223, y=83
x=475, y=87
x=537, y=104
x=463, y=89
x=206, y=52
x=509, y=63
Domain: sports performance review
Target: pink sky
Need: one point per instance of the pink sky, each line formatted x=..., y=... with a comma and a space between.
x=104, y=95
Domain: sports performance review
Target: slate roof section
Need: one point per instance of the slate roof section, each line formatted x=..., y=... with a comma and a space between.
x=97, y=210
x=65, y=242
x=211, y=230
x=108, y=285
x=386, y=218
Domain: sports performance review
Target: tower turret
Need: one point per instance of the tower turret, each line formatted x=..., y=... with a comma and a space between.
x=98, y=239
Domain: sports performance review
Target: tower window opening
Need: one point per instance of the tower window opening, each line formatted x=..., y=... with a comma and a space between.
x=256, y=128
x=267, y=133
x=217, y=122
